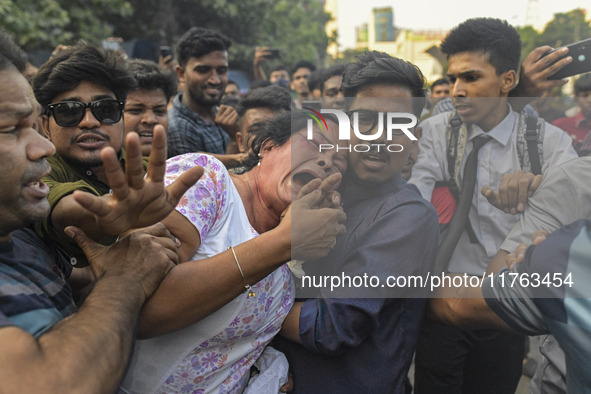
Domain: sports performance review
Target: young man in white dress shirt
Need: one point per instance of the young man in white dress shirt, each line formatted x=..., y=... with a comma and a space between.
x=483, y=56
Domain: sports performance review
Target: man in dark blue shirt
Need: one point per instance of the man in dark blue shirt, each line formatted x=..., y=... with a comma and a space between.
x=364, y=340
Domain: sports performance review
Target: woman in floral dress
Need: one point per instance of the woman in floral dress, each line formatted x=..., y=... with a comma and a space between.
x=216, y=353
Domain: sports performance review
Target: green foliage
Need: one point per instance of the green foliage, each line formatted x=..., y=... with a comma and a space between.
x=529, y=39
x=348, y=56
x=43, y=24
x=564, y=29
x=294, y=26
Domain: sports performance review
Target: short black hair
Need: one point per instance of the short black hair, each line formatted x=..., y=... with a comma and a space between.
x=278, y=129
x=83, y=63
x=280, y=67
x=230, y=102
x=583, y=83
x=380, y=68
x=259, y=83
x=273, y=97
x=330, y=72
x=149, y=76
x=230, y=82
x=495, y=38
x=303, y=64
x=440, y=81
x=11, y=55
x=316, y=79
x=198, y=41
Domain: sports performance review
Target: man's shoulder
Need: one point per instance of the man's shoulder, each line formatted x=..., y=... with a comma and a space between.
x=30, y=246
x=575, y=169
x=406, y=200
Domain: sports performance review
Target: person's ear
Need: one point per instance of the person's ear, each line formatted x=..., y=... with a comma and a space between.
x=180, y=73
x=418, y=132
x=240, y=141
x=508, y=81
x=45, y=127
x=267, y=146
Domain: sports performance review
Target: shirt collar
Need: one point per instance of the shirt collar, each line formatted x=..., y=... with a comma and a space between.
x=88, y=173
x=499, y=132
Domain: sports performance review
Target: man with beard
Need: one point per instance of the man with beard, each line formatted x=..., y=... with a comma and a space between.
x=82, y=92
x=47, y=345
x=203, y=72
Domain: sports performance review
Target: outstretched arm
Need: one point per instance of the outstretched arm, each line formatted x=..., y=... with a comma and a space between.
x=98, y=338
x=534, y=74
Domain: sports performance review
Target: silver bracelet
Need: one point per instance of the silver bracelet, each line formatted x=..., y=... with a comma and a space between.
x=246, y=285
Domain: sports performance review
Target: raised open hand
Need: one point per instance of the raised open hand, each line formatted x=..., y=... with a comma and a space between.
x=136, y=201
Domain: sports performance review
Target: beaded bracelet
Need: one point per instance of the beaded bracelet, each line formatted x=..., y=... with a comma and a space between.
x=246, y=285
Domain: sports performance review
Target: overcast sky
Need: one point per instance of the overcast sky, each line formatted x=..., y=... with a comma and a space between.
x=444, y=14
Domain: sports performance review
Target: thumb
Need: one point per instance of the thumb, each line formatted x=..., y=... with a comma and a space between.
x=491, y=196
x=88, y=246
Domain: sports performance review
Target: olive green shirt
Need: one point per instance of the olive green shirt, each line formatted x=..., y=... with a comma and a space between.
x=63, y=180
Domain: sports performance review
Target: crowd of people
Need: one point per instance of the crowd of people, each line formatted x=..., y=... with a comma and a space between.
x=156, y=223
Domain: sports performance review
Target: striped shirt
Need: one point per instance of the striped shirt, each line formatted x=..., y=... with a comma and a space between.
x=188, y=132
x=34, y=293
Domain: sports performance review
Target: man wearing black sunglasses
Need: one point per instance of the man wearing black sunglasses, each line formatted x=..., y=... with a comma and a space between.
x=82, y=92
x=48, y=346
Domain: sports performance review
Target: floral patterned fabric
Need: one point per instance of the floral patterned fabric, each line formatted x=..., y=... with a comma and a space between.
x=214, y=355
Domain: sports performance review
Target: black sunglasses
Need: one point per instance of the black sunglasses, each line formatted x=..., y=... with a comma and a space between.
x=70, y=113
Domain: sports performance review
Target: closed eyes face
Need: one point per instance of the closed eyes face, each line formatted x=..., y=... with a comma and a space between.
x=285, y=169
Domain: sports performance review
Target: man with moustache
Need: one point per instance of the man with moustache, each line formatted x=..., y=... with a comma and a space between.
x=202, y=56
x=365, y=345
x=82, y=91
x=47, y=345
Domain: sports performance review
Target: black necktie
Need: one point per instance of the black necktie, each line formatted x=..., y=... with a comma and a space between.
x=458, y=222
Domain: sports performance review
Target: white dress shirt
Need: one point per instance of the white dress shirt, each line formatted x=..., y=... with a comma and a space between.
x=495, y=159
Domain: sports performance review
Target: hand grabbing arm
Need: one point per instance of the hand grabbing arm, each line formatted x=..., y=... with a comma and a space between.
x=514, y=190
x=98, y=337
